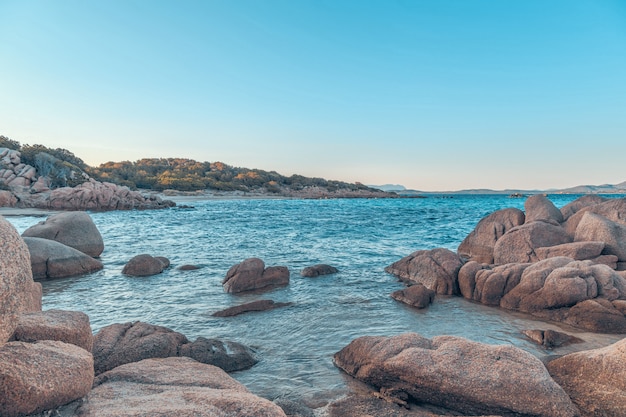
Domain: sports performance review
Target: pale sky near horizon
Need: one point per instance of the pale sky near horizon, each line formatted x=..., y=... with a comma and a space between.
x=433, y=95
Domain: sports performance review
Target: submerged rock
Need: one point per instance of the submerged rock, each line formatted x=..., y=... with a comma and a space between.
x=227, y=355
x=417, y=296
x=258, y=305
x=317, y=270
x=550, y=338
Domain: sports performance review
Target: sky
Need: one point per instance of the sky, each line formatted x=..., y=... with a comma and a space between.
x=435, y=95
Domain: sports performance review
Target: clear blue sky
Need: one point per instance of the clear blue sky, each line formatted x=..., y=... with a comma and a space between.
x=434, y=95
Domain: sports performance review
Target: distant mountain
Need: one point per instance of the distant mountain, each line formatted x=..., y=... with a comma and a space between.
x=580, y=189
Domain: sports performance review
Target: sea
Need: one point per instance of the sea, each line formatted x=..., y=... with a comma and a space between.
x=295, y=344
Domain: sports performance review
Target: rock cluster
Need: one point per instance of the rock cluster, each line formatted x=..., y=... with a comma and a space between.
x=27, y=189
x=560, y=265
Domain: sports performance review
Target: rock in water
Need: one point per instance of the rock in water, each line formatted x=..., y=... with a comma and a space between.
x=417, y=296
x=145, y=265
x=51, y=259
x=230, y=356
x=458, y=374
x=258, y=305
x=75, y=229
x=317, y=270
x=251, y=275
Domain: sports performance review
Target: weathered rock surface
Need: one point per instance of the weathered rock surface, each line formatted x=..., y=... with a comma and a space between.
x=317, y=270
x=7, y=199
x=251, y=275
x=18, y=292
x=436, y=269
x=144, y=265
x=478, y=245
x=594, y=379
x=578, y=251
x=176, y=387
x=64, y=326
x=74, y=229
x=40, y=376
x=227, y=355
x=258, y=305
x=458, y=374
x=188, y=267
x=119, y=344
x=550, y=338
x=598, y=228
x=598, y=315
x=487, y=284
x=611, y=209
x=417, y=296
x=51, y=259
x=518, y=245
x=580, y=203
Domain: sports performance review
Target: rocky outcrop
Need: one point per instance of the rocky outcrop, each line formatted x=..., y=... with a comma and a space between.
x=458, y=374
x=30, y=190
x=488, y=285
x=227, y=355
x=258, y=305
x=594, y=379
x=74, y=229
x=251, y=275
x=436, y=269
x=43, y=375
x=145, y=265
x=64, y=326
x=478, y=245
x=317, y=270
x=417, y=296
x=119, y=344
x=176, y=387
x=50, y=259
x=18, y=292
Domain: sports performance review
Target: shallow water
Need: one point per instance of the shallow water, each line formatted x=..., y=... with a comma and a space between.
x=296, y=343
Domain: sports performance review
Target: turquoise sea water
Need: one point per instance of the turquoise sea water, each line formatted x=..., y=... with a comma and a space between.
x=295, y=344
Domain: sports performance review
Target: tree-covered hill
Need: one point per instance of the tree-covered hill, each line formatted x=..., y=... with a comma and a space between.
x=158, y=174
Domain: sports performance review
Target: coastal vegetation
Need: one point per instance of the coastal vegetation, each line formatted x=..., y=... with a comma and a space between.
x=159, y=174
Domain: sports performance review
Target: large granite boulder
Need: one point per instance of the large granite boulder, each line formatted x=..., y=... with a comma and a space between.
x=593, y=227
x=518, y=245
x=539, y=207
x=65, y=326
x=145, y=265
x=594, y=379
x=488, y=285
x=598, y=315
x=458, y=374
x=41, y=376
x=417, y=296
x=118, y=344
x=478, y=245
x=579, y=251
x=18, y=292
x=613, y=209
x=230, y=356
x=317, y=270
x=580, y=203
x=75, y=229
x=172, y=387
x=436, y=269
x=51, y=259
x=251, y=275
